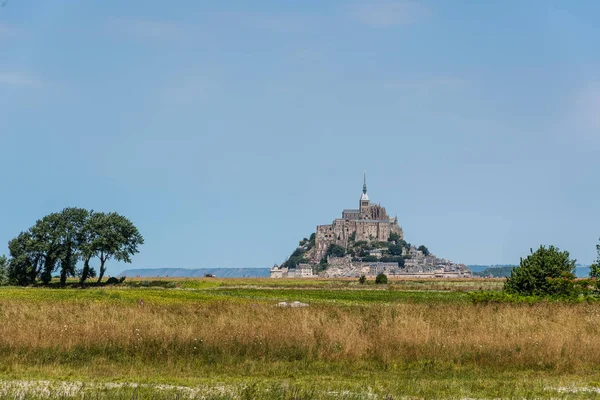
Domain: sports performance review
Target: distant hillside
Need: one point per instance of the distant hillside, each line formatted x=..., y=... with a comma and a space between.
x=496, y=272
x=499, y=271
x=190, y=273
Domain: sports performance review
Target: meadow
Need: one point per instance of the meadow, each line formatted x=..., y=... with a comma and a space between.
x=226, y=338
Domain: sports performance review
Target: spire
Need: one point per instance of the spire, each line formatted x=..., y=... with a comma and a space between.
x=365, y=184
x=364, y=196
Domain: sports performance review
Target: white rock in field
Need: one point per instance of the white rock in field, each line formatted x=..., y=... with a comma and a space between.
x=294, y=304
x=298, y=304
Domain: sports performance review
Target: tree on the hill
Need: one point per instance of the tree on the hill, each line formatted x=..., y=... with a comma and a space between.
x=537, y=274
x=335, y=250
x=424, y=250
x=396, y=259
x=395, y=250
x=394, y=237
x=352, y=237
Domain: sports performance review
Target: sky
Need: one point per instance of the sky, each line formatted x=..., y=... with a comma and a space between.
x=226, y=131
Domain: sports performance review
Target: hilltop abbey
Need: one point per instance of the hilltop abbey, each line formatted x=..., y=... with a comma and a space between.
x=369, y=222
x=364, y=241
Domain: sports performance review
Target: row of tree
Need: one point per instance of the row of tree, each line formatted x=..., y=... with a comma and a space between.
x=66, y=242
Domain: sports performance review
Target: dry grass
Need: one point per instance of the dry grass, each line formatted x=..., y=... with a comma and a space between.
x=555, y=336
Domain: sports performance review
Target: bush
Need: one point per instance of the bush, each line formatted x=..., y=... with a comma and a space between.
x=546, y=272
x=362, y=279
x=3, y=271
x=595, y=267
x=394, y=237
x=381, y=279
x=335, y=251
x=424, y=250
x=395, y=250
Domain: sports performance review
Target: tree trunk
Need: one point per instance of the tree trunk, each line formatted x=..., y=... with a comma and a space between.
x=86, y=270
x=102, y=269
x=63, y=277
x=47, y=272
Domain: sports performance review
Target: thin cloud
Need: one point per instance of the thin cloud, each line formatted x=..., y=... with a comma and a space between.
x=383, y=14
x=148, y=29
x=17, y=79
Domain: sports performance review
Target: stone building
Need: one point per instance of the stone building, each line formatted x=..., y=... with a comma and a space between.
x=369, y=222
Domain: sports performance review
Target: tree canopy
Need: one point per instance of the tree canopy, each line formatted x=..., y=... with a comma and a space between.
x=595, y=267
x=60, y=240
x=335, y=250
x=3, y=267
x=395, y=250
x=534, y=275
x=424, y=250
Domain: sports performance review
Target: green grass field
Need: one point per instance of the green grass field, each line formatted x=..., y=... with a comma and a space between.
x=225, y=338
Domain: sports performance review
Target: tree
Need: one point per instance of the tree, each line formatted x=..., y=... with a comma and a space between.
x=537, y=273
x=60, y=240
x=71, y=238
x=117, y=238
x=335, y=250
x=45, y=238
x=362, y=279
x=381, y=279
x=3, y=270
x=424, y=250
x=595, y=267
x=394, y=237
x=396, y=259
x=395, y=250
x=26, y=260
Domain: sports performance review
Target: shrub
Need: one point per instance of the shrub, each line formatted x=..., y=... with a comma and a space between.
x=381, y=279
x=112, y=281
x=537, y=274
x=394, y=237
x=595, y=267
x=3, y=271
x=424, y=250
x=362, y=279
x=335, y=251
x=395, y=250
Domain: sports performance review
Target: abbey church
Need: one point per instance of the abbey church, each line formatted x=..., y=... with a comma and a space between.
x=369, y=222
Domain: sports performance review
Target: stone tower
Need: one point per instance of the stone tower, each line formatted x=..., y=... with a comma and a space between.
x=364, y=198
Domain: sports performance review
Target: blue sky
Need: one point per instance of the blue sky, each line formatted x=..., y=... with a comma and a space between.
x=228, y=130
